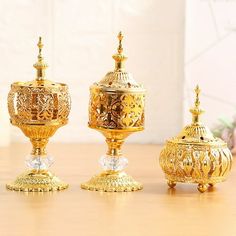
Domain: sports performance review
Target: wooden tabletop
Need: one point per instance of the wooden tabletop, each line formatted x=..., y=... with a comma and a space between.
x=156, y=210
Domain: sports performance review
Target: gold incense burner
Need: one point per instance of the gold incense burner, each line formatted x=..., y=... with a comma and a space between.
x=116, y=109
x=38, y=108
x=195, y=155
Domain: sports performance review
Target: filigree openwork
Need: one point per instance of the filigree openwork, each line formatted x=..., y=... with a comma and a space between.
x=195, y=163
x=116, y=110
x=195, y=155
x=38, y=104
x=38, y=108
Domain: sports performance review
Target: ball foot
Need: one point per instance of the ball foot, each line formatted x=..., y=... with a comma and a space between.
x=37, y=181
x=112, y=181
x=171, y=184
x=202, y=188
x=211, y=185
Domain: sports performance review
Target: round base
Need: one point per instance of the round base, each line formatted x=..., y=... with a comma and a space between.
x=112, y=181
x=202, y=188
x=171, y=184
x=37, y=181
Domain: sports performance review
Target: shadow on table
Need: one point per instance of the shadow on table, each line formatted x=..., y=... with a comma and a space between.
x=162, y=188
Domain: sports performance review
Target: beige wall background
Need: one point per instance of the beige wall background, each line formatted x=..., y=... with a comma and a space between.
x=80, y=39
x=210, y=57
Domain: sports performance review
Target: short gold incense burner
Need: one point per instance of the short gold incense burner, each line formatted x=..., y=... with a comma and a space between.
x=195, y=155
x=116, y=109
x=38, y=108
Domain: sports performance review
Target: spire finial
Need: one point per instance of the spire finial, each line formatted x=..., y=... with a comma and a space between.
x=196, y=110
x=40, y=65
x=197, y=92
x=40, y=46
x=120, y=37
x=119, y=57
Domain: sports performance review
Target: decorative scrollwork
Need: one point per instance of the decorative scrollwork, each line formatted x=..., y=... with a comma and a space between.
x=195, y=163
x=116, y=110
x=38, y=104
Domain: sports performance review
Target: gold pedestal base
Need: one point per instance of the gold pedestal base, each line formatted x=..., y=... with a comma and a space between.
x=37, y=181
x=112, y=181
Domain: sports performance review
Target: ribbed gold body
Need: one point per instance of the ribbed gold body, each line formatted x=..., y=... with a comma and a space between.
x=196, y=156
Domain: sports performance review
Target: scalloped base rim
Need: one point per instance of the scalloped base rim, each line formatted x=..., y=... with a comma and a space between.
x=112, y=181
x=37, y=181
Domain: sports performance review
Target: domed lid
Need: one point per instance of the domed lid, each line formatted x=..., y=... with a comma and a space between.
x=40, y=80
x=197, y=133
x=119, y=79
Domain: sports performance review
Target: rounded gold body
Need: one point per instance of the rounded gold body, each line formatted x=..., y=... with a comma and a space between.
x=195, y=156
x=204, y=164
x=38, y=108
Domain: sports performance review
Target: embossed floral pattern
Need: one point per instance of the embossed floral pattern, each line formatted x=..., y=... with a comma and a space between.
x=117, y=111
x=196, y=163
x=31, y=104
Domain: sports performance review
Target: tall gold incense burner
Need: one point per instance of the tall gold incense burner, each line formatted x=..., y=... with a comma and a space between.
x=116, y=109
x=38, y=108
x=195, y=155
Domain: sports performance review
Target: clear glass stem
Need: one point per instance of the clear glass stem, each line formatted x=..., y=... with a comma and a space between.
x=38, y=163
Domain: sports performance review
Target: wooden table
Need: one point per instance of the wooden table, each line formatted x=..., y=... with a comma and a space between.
x=156, y=210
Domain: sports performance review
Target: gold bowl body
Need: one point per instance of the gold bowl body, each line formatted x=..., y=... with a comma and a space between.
x=196, y=156
x=39, y=108
x=194, y=162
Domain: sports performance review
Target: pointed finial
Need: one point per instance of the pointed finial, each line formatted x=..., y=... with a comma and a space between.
x=120, y=38
x=119, y=57
x=40, y=65
x=196, y=110
x=40, y=46
x=197, y=92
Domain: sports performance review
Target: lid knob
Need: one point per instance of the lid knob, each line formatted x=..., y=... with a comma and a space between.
x=119, y=57
x=40, y=65
x=196, y=110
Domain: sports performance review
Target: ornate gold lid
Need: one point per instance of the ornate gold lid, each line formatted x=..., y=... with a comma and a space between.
x=40, y=80
x=197, y=133
x=39, y=101
x=119, y=79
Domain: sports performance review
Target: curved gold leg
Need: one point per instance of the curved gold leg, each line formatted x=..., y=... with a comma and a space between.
x=211, y=185
x=171, y=184
x=202, y=188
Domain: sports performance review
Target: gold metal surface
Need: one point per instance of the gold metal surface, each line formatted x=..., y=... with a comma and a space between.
x=38, y=108
x=37, y=181
x=195, y=155
x=112, y=181
x=116, y=109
